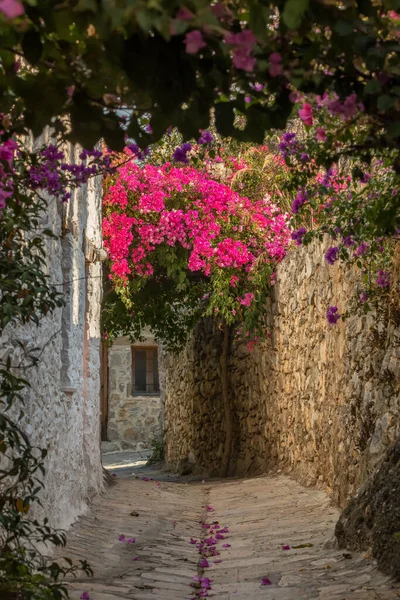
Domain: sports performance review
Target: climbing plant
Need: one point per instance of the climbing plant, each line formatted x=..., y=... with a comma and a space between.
x=30, y=180
x=183, y=244
x=96, y=69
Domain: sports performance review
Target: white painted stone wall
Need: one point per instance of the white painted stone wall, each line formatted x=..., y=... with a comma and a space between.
x=62, y=407
x=133, y=421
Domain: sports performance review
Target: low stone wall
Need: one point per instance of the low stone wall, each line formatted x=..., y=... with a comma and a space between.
x=316, y=400
x=133, y=421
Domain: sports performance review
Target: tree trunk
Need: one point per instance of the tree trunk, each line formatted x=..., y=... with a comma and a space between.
x=226, y=402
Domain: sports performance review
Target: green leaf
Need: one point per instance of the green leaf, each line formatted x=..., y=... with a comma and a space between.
x=293, y=12
x=344, y=28
x=394, y=129
x=224, y=119
x=32, y=46
x=385, y=102
x=372, y=87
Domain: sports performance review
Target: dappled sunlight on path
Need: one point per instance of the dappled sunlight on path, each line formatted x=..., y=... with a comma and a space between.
x=235, y=539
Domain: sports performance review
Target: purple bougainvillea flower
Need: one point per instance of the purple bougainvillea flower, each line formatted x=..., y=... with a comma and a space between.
x=331, y=255
x=136, y=558
x=194, y=41
x=85, y=596
x=121, y=538
x=206, y=138
x=205, y=526
x=131, y=541
x=219, y=536
x=224, y=530
x=298, y=235
x=203, y=563
x=209, y=508
x=226, y=545
x=216, y=526
x=285, y=547
x=266, y=581
x=193, y=541
x=113, y=474
x=203, y=594
x=332, y=316
x=383, y=279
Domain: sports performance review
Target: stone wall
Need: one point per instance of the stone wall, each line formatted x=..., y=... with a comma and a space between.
x=62, y=409
x=318, y=401
x=133, y=420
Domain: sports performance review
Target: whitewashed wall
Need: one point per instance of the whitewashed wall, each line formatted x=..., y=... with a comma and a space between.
x=62, y=410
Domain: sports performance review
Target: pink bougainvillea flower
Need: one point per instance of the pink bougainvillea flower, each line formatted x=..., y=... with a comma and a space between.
x=210, y=541
x=243, y=60
x=205, y=525
x=266, y=581
x=11, y=8
x=321, y=134
x=285, y=547
x=275, y=66
x=131, y=541
x=209, y=508
x=224, y=530
x=136, y=558
x=219, y=536
x=205, y=583
x=184, y=14
x=194, y=41
x=121, y=538
x=306, y=113
x=203, y=563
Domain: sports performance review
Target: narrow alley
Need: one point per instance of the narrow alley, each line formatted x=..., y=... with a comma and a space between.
x=143, y=539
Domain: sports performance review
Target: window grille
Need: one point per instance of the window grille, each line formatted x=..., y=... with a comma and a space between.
x=145, y=371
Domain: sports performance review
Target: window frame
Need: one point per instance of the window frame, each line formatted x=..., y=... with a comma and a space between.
x=153, y=372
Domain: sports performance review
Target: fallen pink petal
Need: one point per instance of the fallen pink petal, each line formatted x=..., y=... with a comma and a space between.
x=85, y=596
x=121, y=538
x=209, y=508
x=204, y=564
x=131, y=541
x=266, y=581
x=285, y=547
x=136, y=558
x=226, y=545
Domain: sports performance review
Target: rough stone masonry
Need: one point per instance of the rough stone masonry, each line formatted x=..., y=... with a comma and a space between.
x=318, y=401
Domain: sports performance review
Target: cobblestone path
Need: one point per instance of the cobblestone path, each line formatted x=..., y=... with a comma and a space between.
x=263, y=516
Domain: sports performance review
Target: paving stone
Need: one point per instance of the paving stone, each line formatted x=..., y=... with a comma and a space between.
x=263, y=514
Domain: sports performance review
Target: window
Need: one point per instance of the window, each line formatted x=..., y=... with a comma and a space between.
x=145, y=370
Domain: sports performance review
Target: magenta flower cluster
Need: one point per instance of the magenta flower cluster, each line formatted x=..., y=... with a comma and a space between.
x=150, y=206
x=207, y=548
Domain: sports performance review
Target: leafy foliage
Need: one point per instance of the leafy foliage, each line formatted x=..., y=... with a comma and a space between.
x=110, y=68
x=29, y=181
x=184, y=244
